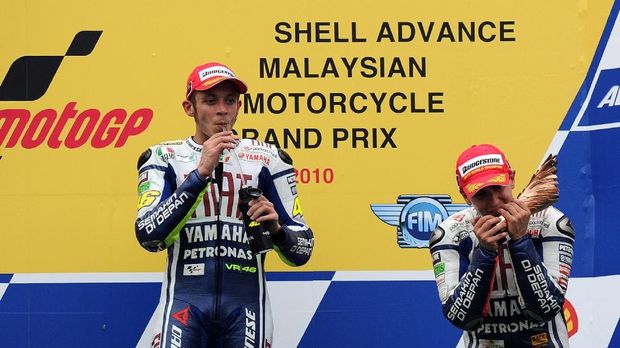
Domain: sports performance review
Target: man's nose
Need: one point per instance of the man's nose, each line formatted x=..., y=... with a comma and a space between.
x=495, y=198
x=221, y=107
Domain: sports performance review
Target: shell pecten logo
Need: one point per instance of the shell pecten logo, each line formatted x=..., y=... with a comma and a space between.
x=570, y=316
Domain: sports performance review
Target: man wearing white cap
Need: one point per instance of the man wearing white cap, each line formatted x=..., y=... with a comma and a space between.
x=217, y=204
x=501, y=271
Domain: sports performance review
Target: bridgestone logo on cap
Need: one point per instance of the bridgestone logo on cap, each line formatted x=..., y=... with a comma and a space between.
x=213, y=72
x=479, y=162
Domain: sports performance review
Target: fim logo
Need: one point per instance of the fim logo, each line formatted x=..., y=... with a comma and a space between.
x=416, y=216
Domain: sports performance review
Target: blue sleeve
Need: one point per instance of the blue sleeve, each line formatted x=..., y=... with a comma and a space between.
x=464, y=307
x=543, y=298
x=297, y=241
x=158, y=224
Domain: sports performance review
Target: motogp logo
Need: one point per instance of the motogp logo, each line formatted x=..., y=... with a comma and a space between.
x=416, y=216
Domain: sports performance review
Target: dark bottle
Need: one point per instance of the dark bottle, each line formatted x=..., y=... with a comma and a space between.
x=258, y=236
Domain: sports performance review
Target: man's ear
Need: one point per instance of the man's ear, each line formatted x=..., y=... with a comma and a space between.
x=512, y=178
x=188, y=108
x=464, y=197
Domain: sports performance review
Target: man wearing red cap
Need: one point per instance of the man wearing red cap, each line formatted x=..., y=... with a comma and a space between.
x=501, y=271
x=192, y=196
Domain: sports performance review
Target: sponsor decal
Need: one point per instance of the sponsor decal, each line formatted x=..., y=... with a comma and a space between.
x=215, y=251
x=265, y=150
x=144, y=177
x=291, y=180
x=303, y=247
x=483, y=343
x=186, y=157
x=214, y=71
x=440, y=279
x=539, y=339
x=175, y=340
x=240, y=268
x=565, y=248
x=439, y=268
x=480, y=161
x=416, y=216
x=143, y=187
x=182, y=316
x=571, y=318
x=192, y=146
x=436, y=257
x=255, y=157
x=194, y=269
x=147, y=198
x=540, y=288
x=469, y=287
x=566, y=259
x=165, y=153
x=250, y=328
x=158, y=216
x=297, y=208
x=534, y=233
x=155, y=343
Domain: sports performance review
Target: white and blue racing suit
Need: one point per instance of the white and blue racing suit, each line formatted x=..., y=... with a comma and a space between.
x=510, y=298
x=213, y=292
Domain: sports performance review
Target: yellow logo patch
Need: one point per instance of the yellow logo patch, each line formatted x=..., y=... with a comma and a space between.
x=297, y=207
x=147, y=198
x=539, y=340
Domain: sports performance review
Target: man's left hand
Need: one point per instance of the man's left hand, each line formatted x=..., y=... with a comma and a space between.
x=517, y=217
x=262, y=210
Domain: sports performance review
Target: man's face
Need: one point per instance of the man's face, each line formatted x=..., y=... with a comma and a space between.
x=214, y=110
x=489, y=199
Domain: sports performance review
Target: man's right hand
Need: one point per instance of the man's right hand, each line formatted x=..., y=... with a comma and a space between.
x=489, y=231
x=212, y=148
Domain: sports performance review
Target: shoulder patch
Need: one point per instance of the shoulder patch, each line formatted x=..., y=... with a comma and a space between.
x=285, y=157
x=144, y=157
x=436, y=236
x=565, y=226
x=165, y=153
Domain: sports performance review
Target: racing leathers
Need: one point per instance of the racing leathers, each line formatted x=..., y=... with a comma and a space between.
x=510, y=298
x=213, y=292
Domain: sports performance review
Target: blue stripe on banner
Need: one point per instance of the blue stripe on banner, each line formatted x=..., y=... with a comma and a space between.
x=76, y=315
x=297, y=276
x=380, y=314
x=5, y=278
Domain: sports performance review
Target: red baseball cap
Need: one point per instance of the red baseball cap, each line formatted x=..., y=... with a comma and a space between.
x=480, y=166
x=209, y=75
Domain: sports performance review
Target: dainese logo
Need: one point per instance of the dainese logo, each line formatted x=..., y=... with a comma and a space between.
x=416, y=216
x=29, y=78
